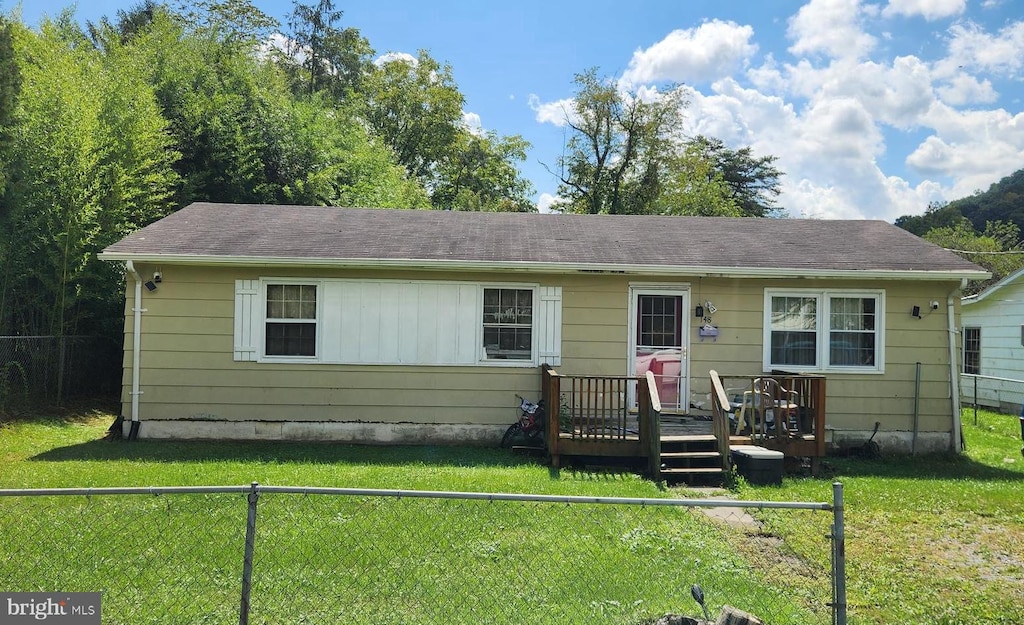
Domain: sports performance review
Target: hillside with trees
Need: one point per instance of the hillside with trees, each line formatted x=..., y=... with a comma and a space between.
x=984, y=228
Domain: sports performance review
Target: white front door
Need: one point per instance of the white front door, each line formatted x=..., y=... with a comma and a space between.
x=659, y=331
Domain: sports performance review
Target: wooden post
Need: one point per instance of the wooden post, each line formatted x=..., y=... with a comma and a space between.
x=720, y=418
x=651, y=412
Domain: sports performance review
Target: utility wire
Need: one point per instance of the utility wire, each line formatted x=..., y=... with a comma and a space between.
x=977, y=252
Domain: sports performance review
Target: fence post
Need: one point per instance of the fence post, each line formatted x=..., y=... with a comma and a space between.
x=250, y=544
x=838, y=557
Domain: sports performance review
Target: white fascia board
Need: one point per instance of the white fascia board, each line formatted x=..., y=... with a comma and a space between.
x=977, y=297
x=536, y=267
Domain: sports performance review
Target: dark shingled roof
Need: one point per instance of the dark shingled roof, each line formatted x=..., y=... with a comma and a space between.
x=222, y=232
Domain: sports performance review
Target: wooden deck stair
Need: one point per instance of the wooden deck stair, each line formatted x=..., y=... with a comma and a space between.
x=691, y=458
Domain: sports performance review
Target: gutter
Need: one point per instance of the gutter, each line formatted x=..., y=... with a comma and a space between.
x=137, y=311
x=954, y=372
x=546, y=267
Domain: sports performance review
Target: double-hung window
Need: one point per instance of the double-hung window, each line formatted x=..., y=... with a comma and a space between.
x=815, y=330
x=508, y=324
x=291, y=320
x=972, y=350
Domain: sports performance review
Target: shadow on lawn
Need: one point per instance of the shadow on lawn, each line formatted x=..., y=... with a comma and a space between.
x=278, y=452
x=923, y=467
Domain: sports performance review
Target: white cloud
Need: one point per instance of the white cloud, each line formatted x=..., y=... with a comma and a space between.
x=928, y=9
x=830, y=27
x=472, y=123
x=896, y=94
x=546, y=201
x=964, y=89
x=391, y=57
x=971, y=148
x=842, y=107
x=557, y=113
x=973, y=49
x=712, y=50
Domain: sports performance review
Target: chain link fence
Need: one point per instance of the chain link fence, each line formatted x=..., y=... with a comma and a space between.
x=56, y=368
x=265, y=554
x=1004, y=395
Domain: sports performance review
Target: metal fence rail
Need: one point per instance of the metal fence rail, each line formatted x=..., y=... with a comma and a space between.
x=985, y=391
x=272, y=554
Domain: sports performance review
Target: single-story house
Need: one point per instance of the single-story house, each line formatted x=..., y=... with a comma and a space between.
x=993, y=345
x=411, y=326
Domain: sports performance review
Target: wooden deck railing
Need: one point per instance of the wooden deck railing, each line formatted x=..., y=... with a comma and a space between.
x=720, y=408
x=798, y=424
x=593, y=415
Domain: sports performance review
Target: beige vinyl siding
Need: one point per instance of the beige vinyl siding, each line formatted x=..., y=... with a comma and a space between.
x=855, y=400
x=188, y=370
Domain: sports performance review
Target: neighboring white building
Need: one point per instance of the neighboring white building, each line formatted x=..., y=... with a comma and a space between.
x=992, y=326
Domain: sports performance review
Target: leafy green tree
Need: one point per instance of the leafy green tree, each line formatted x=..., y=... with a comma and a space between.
x=619, y=145
x=937, y=215
x=92, y=162
x=10, y=87
x=753, y=182
x=480, y=174
x=416, y=108
x=235, y=23
x=694, y=185
x=997, y=249
x=333, y=59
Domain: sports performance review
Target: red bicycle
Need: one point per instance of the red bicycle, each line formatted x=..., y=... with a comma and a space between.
x=529, y=429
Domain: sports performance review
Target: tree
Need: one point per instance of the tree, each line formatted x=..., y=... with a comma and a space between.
x=92, y=162
x=480, y=174
x=416, y=108
x=937, y=215
x=10, y=87
x=694, y=185
x=619, y=145
x=334, y=59
x=753, y=182
x=997, y=249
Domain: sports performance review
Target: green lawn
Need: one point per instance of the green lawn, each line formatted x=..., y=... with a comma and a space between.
x=395, y=560
x=929, y=539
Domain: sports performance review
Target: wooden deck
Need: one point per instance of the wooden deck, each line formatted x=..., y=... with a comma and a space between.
x=592, y=416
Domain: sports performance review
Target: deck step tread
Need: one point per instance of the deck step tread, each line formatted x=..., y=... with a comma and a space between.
x=690, y=470
x=690, y=454
x=693, y=438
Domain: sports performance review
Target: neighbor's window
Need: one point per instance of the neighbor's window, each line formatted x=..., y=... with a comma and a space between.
x=508, y=324
x=821, y=330
x=291, y=320
x=972, y=350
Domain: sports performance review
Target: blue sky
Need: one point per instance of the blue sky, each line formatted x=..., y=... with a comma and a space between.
x=874, y=109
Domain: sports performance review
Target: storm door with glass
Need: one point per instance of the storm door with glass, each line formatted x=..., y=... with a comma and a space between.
x=659, y=328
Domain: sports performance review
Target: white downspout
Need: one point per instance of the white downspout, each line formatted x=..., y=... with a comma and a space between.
x=137, y=311
x=954, y=368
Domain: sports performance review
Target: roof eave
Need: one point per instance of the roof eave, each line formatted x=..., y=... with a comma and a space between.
x=542, y=267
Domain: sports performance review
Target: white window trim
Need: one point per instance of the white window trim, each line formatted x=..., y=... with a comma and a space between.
x=262, y=320
x=822, y=329
x=963, y=358
x=534, y=360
